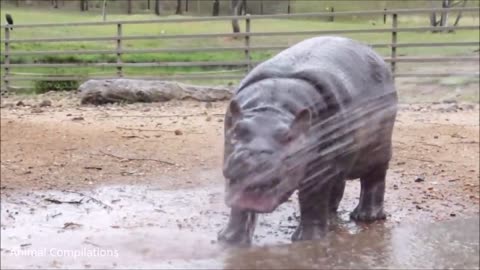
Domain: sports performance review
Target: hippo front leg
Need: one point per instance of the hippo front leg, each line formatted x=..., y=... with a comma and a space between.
x=336, y=195
x=370, y=206
x=240, y=228
x=314, y=212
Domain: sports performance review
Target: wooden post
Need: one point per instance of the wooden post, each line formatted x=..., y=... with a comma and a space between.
x=247, y=42
x=7, y=58
x=394, y=43
x=385, y=16
x=119, y=50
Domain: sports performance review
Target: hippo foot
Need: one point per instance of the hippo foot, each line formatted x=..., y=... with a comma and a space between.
x=309, y=232
x=234, y=237
x=368, y=215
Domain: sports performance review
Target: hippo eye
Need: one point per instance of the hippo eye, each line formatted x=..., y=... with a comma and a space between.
x=241, y=132
x=283, y=136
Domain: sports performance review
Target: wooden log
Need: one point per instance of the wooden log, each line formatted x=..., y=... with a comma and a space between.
x=127, y=90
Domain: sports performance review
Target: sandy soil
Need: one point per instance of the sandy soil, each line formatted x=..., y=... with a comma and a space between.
x=143, y=174
x=68, y=145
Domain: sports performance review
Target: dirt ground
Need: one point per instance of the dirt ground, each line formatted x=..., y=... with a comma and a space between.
x=145, y=180
x=68, y=145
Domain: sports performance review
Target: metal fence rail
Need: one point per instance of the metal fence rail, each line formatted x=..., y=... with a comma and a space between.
x=119, y=49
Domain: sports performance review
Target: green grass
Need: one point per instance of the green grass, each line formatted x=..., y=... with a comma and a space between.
x=32, y=16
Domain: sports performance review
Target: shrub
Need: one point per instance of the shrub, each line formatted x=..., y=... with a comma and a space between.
x=45, y=86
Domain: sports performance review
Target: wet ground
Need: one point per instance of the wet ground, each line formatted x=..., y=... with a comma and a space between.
x=150, y=227
x=140, y=186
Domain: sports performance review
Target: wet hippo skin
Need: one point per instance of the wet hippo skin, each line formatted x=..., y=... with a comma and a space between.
x=308, y=119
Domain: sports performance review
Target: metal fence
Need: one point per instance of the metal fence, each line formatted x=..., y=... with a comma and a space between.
x=247, y=48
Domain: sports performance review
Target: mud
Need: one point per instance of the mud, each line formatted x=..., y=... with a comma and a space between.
x=150, y=227
x=140, y=186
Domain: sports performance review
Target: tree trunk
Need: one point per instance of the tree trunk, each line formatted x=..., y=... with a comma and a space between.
x=459, y=16
x=179, y=7
x=104, y=10
x=148, y=4
x=236, y=7
x=289, y=9
x=17, y=3
x=216, y=8
x=157, y=7
x=261, y=7
x=86, y=5
x=433, y=16
x=186, y=5
x=55, y=4
x=444, y=17
x=244, y=7
x=129, y=6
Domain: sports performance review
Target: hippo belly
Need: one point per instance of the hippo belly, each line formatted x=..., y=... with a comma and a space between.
x=311, y=117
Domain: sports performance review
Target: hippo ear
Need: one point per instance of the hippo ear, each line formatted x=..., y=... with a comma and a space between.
x=301, y=123
x=235, y=113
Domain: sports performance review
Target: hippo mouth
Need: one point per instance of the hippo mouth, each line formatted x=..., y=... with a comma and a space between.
x=260, y=198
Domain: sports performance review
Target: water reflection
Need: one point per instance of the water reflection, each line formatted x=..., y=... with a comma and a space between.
x=453, y=244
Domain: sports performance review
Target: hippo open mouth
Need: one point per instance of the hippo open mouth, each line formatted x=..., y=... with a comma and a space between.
x=261, y=198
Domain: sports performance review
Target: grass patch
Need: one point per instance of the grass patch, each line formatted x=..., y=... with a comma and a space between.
x=46, y=86
x=32, y=16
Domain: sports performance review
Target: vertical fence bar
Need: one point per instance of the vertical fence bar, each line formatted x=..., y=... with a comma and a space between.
x=247, y=42
x=6, y=83
x=119, y=50
x=394, y=43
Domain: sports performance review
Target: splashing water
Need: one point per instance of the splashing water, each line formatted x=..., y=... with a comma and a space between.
x=338, y=137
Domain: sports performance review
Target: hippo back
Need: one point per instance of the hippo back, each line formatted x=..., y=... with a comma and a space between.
x=339, y=68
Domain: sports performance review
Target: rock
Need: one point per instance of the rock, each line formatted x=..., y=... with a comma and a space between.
x=395, y=187
x=45, y=103
x=37, y=110
x=435, y=137
x=449, y=101
x=451, y=108
x=127, y=90
x=452, y=214
x=419, y=179
x=20, y=103
x=468, y=107
x=208, y=105
x=220, y=120
x=78, y=118
x=208, y=119
x=178, y=132
x=7, y=105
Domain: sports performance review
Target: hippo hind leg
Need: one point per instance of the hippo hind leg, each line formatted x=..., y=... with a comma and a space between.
x=370, y=206
x=240, y=228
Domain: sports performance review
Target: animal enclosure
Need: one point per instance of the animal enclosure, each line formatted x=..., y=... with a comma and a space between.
x=124, y=56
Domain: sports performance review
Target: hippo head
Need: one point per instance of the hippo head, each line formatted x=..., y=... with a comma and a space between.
x=262, y=164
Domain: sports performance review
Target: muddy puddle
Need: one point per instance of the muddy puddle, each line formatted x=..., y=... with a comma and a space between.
x=150, y=227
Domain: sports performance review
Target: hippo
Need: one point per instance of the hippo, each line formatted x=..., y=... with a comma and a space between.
x=313, y=116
